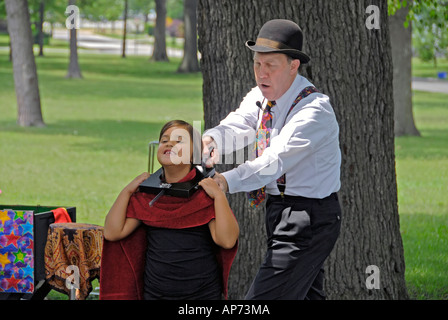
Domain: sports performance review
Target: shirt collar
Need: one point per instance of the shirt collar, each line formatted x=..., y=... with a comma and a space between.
x=286, y=100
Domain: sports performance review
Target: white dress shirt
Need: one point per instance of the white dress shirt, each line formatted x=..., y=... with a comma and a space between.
x=305, y=145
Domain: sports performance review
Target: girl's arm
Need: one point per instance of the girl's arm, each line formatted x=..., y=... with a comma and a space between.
x=116, y=225
x=224, y=228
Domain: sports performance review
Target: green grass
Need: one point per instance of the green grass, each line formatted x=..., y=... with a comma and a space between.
x=97, y=133
x=98, y=129
x=422, y=170
x=427, y=69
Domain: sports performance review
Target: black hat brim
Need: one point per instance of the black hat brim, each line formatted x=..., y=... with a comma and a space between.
x=293, y=53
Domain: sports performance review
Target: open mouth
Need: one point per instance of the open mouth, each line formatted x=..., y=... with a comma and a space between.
x=169, y=152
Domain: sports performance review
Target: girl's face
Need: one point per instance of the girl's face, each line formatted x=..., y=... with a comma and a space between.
x=175, y=147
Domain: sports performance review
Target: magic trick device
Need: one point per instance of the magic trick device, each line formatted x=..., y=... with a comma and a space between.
x=155, y=185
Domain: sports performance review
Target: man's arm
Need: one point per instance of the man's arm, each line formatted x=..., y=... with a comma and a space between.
x=304, y=132
x=238, y=129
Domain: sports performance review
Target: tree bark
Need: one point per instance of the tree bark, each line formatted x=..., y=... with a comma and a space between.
x=125, y=21
x=40, y=27
x=353, y=66
x=74, y=71
x=223, y=27
x=190, y=60
x=159, y=53
x=401, y=40
x=24, y=65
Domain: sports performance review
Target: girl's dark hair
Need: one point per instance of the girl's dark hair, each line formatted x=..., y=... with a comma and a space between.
x=195, y=137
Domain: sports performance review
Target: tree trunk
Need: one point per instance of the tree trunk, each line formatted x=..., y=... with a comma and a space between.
x=190, y=60
x=159, y=53
x=223, y=27
x=74, y=70
x=40, y=27
x=10, y=50
x=353, y=66
x=401, y=40
x=125, y=21
x=24, y=65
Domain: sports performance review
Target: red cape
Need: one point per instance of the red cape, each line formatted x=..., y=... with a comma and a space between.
x=123, y=262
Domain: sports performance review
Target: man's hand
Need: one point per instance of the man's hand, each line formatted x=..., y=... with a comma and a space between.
x=221, y=181
x=213, y=158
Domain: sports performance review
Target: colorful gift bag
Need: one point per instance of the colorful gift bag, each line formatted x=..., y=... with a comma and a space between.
x=16, y=251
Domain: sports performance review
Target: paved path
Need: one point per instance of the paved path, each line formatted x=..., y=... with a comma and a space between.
x=101, y=44
x=94, y=43
x=430, y=84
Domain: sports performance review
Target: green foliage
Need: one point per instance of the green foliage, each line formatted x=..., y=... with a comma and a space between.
x=429, y=20
x=437, y=9
x=175, y=9
x=99, y=10
x=430, y=38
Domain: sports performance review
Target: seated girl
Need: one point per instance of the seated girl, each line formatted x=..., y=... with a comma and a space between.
x=190, y=243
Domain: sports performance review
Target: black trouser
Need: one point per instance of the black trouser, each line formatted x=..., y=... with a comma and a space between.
x=301, y=234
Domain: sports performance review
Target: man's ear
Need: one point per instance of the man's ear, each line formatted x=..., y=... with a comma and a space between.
x=295, y=64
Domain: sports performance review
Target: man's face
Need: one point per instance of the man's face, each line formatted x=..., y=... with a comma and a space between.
x=274, y=73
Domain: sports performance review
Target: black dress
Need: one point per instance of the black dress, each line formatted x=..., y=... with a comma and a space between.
x=181, y=264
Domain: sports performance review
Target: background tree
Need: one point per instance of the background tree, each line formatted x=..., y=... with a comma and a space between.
x=101, y=10
x=45, y=10
x=3, y=17
x=125, y=21
x=418, y=26
x=142, y=8
x=401, y=39
x=353, y=65
x=430, y=37
x=55, y=13
x=106, y=10
x=24, y=65
x=40, y=27
x=190, y=60
x=159, y=53
x=74, y=71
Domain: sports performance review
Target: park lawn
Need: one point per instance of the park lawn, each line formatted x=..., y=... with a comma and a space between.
x=97, y=135
x=427, y=69
x=98, y=129
x=422, y=176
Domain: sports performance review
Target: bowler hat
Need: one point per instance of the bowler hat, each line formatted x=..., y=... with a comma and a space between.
x=280, y=36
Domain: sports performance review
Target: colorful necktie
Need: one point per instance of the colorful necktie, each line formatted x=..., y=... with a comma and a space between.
x=262, y=142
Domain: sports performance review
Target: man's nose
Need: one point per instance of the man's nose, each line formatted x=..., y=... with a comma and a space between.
x=262, y=72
